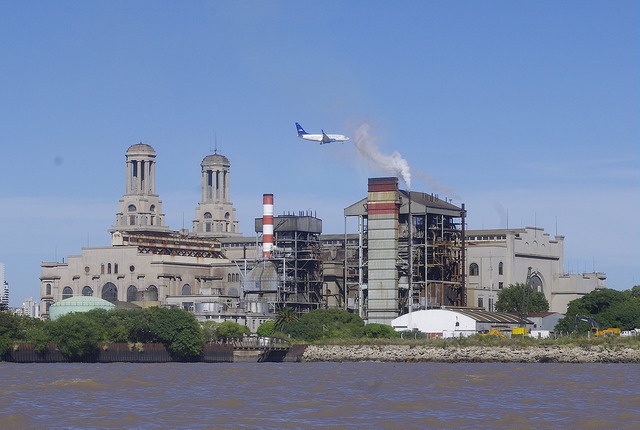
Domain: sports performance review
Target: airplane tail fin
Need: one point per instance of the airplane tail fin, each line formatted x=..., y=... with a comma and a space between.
x=300, y=129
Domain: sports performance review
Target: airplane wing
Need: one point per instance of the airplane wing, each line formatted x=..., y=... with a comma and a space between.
x=325, y=138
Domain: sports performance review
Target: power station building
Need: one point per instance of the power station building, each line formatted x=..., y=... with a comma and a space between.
x=148, y=262
x=411, y=252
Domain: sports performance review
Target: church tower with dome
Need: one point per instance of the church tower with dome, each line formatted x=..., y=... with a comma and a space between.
x=140, y=206
x=215, y=214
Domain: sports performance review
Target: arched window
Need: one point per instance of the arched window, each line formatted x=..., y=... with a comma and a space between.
x=152, y=208
x=115, y=268
x=102, y=269
x=186, y=290
x=67, y=292
x=152, y=294
x=207, y=215
x=536, y=282
x=500, y=268
x=473, y=269
x=110, y=292
x=131, y=208
x=132, y=293
x=87, y=291
x=108, y=267
x=48, y=290
x=228, y=277
x=227, y=215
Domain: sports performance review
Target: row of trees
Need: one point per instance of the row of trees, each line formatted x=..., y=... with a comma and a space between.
x=609, y=308
x=77, y=335
x=323, y=324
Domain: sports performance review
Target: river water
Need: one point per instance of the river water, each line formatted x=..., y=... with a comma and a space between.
x=367, y=395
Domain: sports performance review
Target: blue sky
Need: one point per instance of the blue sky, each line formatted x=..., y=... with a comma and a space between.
x=527, y=112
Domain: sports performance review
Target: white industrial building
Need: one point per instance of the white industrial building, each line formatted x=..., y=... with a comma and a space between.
x=458, y=322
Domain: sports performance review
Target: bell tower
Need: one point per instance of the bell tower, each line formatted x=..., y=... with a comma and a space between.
x=140, y=206
x=215, y=214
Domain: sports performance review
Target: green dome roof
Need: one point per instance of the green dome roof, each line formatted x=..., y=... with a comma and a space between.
x=78, y=304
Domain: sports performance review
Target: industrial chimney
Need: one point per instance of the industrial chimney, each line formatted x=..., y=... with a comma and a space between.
x=267, y=225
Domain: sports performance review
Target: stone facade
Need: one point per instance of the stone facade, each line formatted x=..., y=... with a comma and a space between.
x=499, y=258
x=148, y=263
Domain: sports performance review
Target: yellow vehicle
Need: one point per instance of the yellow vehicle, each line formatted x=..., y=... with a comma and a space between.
x=595, y=327
x=519, y=331
x=493, y=332
x=611, y=331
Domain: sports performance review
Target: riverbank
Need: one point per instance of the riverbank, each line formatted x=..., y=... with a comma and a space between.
x=473, y=354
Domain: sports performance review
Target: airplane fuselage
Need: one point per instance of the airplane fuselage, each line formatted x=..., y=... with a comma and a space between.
x=321, y=138
x=324, y=138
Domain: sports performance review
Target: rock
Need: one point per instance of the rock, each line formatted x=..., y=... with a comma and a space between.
x=470, y=354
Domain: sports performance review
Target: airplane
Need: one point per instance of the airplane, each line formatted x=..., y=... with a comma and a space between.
x=322, y=138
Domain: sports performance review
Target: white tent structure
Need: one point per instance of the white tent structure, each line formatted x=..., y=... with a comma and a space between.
x=455, y=322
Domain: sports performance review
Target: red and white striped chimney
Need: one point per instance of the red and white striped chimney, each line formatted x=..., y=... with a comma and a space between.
x=267, y=225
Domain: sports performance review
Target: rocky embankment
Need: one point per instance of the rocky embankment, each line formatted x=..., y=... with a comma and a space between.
x=471, y=354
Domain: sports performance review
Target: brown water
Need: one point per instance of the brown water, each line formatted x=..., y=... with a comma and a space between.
x=321, y=395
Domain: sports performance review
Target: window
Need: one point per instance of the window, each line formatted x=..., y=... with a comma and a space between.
x=110, y=292
x=207, y=215
x=490, y=304
x=480, y=302
x=500, y=268
x=132, y=292
x=473, y=269
x=115, y=268
x=102, y=269
x=108, y=267
x=186, y=290
x=67, y=292
x=152, y=293
x=131, y=208
x=87, y=291
x=500, y=285
x=536, y=282
x=48, y=290
x=132, y=220
x=152, y=208
x=132, y=268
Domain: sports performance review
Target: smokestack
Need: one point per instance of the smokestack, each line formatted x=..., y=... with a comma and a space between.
x=267, y=225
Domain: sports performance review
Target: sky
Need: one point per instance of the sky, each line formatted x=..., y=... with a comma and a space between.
x=526, y=112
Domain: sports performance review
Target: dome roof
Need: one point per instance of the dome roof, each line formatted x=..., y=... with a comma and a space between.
x=263, y=277
x=78, y=304
x=215, y=160
x=141, y=148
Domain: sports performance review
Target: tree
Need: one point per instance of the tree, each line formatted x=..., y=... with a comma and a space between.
x=609, y=308
x=325, y=323
x=595, y=302
x=230, y=330
x=375, y=330
x=76, y=335
x=227, y=330
x=178, y=330
x=9, y=330
x=267, y=329
x=512, y=299
x=285, y=316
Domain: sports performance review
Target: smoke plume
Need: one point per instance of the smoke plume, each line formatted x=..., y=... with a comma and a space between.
x=393, y=163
